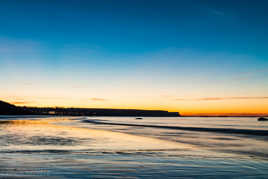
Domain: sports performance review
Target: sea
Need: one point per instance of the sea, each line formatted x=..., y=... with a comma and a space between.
x=129, y=147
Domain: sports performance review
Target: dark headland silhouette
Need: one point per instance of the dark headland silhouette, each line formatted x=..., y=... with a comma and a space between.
x=9, y=109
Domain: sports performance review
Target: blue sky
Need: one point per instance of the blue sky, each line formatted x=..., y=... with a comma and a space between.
x=144, y=49
x=133, y=27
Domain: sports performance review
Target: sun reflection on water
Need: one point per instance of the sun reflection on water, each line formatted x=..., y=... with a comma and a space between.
x=67, y=147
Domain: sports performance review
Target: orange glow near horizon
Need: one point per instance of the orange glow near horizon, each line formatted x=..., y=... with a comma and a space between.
x=184, y=107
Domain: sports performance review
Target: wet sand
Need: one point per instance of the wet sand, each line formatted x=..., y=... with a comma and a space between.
x=71, y=148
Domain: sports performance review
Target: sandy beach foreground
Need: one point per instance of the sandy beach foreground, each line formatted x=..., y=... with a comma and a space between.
x=72, y=148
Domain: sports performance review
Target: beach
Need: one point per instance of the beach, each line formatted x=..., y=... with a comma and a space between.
x=69, y=147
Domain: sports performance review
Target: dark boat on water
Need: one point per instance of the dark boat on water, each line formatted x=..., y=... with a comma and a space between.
x=263, y=119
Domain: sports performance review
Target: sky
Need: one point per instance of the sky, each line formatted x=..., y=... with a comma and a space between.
x=190, y=56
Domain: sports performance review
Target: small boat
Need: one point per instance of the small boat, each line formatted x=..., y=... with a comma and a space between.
x=263, y=119
x=138, y=117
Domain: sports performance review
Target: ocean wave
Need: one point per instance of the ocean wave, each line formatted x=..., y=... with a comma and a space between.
x=196, y=129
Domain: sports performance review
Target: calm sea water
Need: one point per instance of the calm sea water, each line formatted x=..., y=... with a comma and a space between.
x=73, y=147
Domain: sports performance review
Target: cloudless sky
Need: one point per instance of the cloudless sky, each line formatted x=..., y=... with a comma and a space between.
x=206, y=56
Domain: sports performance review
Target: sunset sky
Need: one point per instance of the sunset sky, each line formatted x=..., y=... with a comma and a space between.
x=206, y=56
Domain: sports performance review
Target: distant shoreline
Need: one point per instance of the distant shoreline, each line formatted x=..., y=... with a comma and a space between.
x=9, y=109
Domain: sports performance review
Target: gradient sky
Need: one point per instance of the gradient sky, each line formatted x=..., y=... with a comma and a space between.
x=207, y=56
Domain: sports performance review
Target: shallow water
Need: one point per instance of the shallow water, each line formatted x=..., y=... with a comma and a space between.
x=67, y=147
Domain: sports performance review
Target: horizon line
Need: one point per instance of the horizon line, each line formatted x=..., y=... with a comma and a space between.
x=182, y=114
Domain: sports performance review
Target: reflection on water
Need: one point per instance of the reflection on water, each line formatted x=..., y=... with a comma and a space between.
x=42, y=134
x=67, y=147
